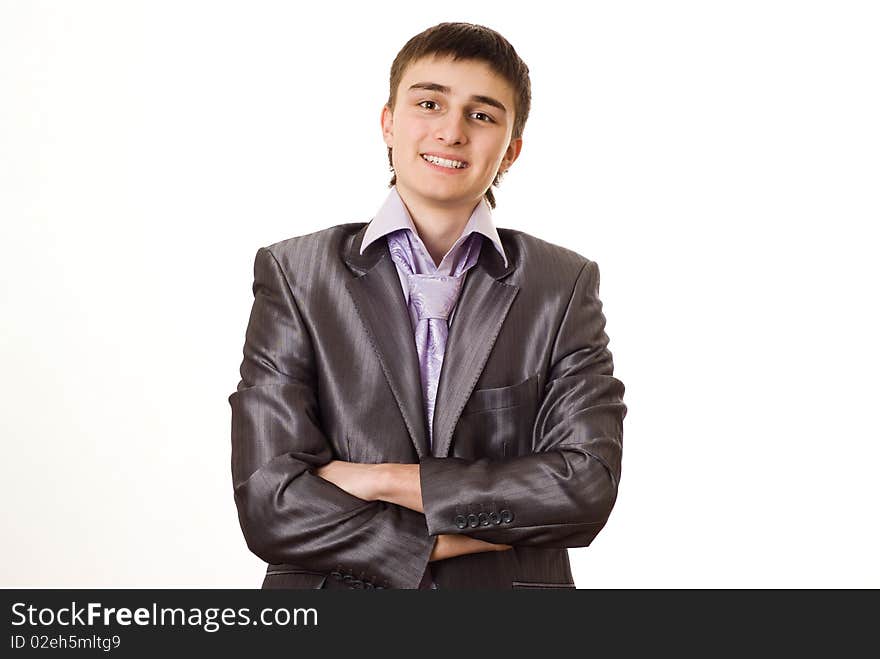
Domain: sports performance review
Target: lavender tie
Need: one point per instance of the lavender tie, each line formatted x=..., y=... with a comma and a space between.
x=433, y=296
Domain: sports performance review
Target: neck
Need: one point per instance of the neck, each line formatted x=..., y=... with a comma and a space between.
x=438, y=226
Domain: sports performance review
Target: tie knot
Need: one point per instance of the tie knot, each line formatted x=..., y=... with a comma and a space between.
x=434, y=296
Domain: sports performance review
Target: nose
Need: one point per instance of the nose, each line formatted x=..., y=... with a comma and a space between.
x=450, y=130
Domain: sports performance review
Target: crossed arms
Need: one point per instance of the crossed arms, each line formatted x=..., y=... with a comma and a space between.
x=399, y=484
x=298, y=505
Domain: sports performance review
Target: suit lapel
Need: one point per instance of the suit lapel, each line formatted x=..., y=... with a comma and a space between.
x=379, y=299
x=480, y=312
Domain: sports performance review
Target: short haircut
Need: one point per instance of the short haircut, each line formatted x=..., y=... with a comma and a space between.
x=467, y=41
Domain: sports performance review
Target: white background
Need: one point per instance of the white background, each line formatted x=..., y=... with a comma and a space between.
x=719, y=161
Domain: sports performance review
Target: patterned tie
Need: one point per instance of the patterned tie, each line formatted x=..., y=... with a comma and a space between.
x=433, y=296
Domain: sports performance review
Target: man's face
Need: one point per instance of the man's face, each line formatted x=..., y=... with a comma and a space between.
x=450, y=109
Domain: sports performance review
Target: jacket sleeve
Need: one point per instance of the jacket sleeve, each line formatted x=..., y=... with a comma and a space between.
x=288, y=514
x=562, y=494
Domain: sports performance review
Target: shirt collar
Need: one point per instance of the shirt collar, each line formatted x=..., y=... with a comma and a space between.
x=393, y=215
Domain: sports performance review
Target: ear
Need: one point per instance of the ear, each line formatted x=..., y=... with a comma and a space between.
x=387, y=120
x=511, y=154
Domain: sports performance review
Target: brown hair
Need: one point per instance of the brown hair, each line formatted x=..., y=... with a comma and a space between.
x=467, y=41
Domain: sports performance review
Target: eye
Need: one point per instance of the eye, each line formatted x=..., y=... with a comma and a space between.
x=486, y=120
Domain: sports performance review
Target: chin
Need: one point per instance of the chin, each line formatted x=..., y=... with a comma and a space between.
x=441, y=196
x=444, y=189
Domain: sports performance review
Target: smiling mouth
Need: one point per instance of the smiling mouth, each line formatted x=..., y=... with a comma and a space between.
x=444, y=162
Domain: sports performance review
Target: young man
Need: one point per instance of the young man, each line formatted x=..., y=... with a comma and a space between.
x=426, y=401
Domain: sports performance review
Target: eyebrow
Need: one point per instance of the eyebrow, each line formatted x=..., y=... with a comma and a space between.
x=443, y=89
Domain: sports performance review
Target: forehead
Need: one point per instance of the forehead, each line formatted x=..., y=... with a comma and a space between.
x=463, y=77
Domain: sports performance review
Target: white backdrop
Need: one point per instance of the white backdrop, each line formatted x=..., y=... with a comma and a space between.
x=719, y=161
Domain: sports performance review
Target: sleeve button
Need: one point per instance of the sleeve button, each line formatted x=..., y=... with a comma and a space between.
x=506, y=516
x=494, y=518
x=461, y=521
x=473, y=521
x=484, y=519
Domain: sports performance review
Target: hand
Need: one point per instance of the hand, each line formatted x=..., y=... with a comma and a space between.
x=449, y=545
x=358, y=479
x=385, y=481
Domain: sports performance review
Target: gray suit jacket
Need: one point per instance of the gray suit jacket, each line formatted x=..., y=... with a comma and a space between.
x=528, y=424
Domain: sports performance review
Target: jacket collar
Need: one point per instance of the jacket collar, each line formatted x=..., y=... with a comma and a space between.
x=393, y=215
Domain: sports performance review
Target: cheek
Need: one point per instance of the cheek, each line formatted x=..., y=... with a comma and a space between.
x=491, y=146
x=491, y=161
x=412, y=130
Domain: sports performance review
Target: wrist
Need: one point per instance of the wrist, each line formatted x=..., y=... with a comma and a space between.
x=382, y=479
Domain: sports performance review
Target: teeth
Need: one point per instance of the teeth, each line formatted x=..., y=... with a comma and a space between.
x=443, y=162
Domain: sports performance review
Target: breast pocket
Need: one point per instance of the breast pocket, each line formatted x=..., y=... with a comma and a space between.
x=497, y=423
